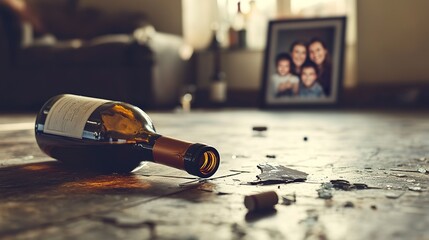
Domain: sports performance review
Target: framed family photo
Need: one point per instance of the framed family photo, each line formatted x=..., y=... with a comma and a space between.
x=303, y=64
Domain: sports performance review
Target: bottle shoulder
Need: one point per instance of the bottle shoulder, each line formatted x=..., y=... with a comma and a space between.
x=118, y=120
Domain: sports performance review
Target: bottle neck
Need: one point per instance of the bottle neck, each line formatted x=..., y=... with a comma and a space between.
x=197, y=159
x=170, y=152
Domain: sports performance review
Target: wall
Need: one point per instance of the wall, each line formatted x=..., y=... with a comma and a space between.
x=243, y=69
x=198, y=19
x=165, y=15
x=393, y=41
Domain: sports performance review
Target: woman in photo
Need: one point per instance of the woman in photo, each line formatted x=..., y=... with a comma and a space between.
x=298, y=51
x=318, y=53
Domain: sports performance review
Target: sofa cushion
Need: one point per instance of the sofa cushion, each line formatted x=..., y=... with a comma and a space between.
x=109, y=50
x=68, y=19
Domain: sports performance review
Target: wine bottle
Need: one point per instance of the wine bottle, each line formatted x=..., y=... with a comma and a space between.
x=218, y=85
x=115, y=137
x=239, y=29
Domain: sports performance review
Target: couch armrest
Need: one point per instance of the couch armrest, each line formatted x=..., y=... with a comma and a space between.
x=170, y=69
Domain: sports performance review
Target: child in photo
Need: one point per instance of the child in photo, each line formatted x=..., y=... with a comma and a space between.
x=310, y=87
x=283, y=82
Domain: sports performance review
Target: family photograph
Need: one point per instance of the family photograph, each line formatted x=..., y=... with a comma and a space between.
x=303, y=62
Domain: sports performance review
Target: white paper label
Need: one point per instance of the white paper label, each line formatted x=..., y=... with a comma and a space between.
x=69, y=114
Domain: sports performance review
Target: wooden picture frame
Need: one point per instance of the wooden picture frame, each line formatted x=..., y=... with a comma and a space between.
x=303, y=63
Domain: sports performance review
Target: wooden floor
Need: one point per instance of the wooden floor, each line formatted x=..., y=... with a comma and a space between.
x=388, y=151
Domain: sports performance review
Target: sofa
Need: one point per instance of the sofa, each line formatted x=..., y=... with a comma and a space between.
x=133, y=63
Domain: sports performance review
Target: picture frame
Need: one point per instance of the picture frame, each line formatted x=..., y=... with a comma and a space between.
x=303, y=63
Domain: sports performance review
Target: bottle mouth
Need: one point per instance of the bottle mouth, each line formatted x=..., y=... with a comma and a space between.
x=201, y=160
x=208, y=163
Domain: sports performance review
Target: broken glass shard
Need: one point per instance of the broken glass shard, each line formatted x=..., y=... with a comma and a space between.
x=289, y=199
x=347, y=186
x=325, y=190
x=415, y=189
x=324, y=193
x=394, y=195
x=273, y=174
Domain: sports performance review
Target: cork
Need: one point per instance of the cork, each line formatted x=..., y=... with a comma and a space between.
x=261, y=201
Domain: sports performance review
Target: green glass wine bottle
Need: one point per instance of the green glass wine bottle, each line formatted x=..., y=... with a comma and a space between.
x=114, y=136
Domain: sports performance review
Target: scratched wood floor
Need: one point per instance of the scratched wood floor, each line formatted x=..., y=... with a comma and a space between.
x=389, y=151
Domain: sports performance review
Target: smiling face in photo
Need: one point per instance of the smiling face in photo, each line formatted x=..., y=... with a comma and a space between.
x=308, y=76
x=317, y=52
x=299, y=54
x=283, y=67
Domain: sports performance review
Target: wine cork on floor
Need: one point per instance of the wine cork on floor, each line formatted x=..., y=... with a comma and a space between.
x=261, y=201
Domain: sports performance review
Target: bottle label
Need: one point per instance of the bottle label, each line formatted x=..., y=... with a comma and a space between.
x=69, y=114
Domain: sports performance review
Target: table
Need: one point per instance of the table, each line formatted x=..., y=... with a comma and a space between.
x=389, y=151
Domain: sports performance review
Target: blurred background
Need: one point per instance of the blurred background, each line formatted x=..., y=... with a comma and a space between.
x=163, y=54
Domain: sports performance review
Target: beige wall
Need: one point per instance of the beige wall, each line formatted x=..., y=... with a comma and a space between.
x=393, y=41
x=243, y=69
x=166, y=15
x=198, y=19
